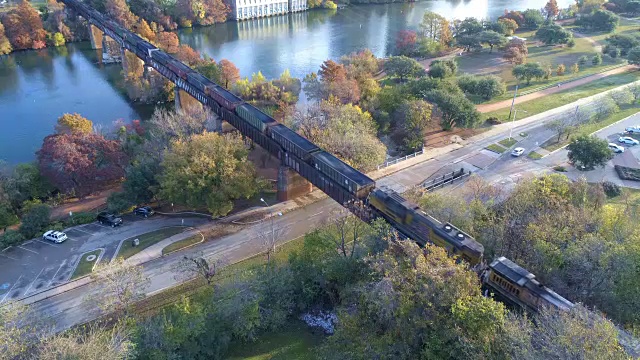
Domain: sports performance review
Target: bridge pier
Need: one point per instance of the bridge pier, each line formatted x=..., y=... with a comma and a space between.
x=131, y=63
x=184, y=101
x=290, y=184
x=214, y=122
x=96, y=36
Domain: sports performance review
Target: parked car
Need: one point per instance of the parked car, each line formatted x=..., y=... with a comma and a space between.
x=106, y=218
x=616, y=148
x=55, y=236
x=517, y=151
x=628, y=140
x=145, y=211
x=633, y=129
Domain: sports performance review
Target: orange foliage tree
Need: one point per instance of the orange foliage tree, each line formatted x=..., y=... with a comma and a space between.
x=229, y=73
x=23, y=27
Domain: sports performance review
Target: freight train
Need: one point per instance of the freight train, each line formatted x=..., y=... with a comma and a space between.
x=502, y=277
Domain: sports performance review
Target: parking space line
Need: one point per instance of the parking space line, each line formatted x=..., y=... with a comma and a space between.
x=35, y=252
x=9, y=292
x=34, y=281
x=46, y=243
x=27, y=242
x=7, y=256
x=56, y=274
x=68, y=238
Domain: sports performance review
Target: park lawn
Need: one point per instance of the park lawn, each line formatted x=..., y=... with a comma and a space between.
x=508, y=142
x=626, y=27
x=181, y=244
x=590, y=128
x=496, y=148
x=295, y=341
x=86, y=267
x=567, y=96
x=127, y=249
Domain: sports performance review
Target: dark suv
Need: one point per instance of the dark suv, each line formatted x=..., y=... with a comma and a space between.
x=145, y=211
x=106, y=218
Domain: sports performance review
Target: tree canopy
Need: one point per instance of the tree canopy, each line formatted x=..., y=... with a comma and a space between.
x=403, y=67
x=589, y=152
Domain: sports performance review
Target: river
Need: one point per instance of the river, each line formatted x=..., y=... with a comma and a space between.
x=37, y=87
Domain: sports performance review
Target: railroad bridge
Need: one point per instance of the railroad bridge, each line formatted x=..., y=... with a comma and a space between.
x=187, y=94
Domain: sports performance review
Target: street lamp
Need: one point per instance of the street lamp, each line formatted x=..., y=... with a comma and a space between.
x=515, y=111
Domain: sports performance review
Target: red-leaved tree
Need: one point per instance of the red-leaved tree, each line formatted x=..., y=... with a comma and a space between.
x=23, y=27
x=406, y=42
x=81, y=163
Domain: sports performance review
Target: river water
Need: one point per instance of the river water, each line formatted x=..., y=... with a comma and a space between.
x=36, y=87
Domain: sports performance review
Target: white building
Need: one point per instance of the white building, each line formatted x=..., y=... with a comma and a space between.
x=249, y=9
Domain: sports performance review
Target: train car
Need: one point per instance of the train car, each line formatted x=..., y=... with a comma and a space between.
x=414, y=223
x=344, y=175
x=224, y=97
x=292, y=142
x=177, y=67
x=198, y=80
x=255, y=117
x=146, y=47
x=510, y=282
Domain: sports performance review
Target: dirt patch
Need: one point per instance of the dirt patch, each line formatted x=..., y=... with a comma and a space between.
x=86, y=204
x=436, y=137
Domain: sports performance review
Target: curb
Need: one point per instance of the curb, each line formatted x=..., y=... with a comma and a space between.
x=102, y=251
x=186, y=247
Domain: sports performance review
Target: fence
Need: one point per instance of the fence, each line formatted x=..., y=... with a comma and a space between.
x=446, y=179
x=393, y=162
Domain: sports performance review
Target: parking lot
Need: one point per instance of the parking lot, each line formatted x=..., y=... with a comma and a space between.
x=39, y=264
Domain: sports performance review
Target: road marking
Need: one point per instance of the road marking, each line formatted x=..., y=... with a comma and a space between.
x=10, y=290
x=35, y=252
x=7, y=256
x=27, y=242
x=7, y=248
x=316, y=214
x=56, y=274
x=34, y=280
x=46, y=243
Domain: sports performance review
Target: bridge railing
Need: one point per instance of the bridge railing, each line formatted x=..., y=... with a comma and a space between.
x=445, y=179
x=393, y=162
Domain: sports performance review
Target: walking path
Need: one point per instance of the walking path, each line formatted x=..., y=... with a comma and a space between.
x=485, y=108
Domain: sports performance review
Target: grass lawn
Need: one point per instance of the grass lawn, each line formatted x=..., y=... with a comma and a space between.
x=85, y=267
x=195, y=239
x=296, y=341
x=590, y=128
x=534, y=155
x=545, y=103
x=127, y=249
x=625, y=27
x=508, y=142
x=629, y=197
x=496, y=148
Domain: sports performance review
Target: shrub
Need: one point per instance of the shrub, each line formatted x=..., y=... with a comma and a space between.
x=614, y=52
x=583, y=60
x=118, y=202
x=627, y=173
x=10, y=238
x=559, y=168
x=571, y=43
x=35, y=221
x=81, y=218
x=611, y=189
x=493, y=121
x=596, y=59
x=561, y=69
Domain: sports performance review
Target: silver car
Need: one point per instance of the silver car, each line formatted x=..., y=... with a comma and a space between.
x=616, y=148
x=628, y=140
x=55, y=236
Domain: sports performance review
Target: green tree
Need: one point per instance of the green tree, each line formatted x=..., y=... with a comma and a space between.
x=587, y=152
x=208, y=171
x=528, y=71
x=403, y=67
x=532, y=19
x=596, y=59
x=412, y=120
x=634, y=56
x=509, y=25
x=25, y=183
x=599, y=20
x=492, y=39
x=7, y=216
x=35, y=220
x=551, y=34
x=454, y=110
x=74, y=123
x=486, y=87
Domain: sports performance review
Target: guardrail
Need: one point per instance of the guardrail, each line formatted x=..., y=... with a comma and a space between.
x=393, y=162
x=544, y=87
x=446, y=179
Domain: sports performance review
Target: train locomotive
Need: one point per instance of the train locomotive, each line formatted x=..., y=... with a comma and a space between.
x=503, y=278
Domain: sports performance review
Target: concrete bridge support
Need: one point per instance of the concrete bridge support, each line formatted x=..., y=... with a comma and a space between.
x=96, y=36
x=184, y=101
x=290, y=184
x=131, y=63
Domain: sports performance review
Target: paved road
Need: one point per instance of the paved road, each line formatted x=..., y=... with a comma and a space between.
x=68, y=308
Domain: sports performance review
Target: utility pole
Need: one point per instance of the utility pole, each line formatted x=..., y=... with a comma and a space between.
x=514, y=99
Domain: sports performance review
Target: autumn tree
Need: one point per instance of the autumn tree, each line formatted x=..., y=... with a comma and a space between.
x=120, y=285
x=74, y=124
x=332, y=80
x=5, y=45
x=551, y=9
x=436, y=28
x=23, y=27
x=344, y=130
x=412, y=120
x=515, y=52
x=120, y=12
x=81, y=163
x=229, y=73
x=406, y=42
x=168, y=42
x=509, y=25
x=187, y=55
x=144, y=30
x=218, y=162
